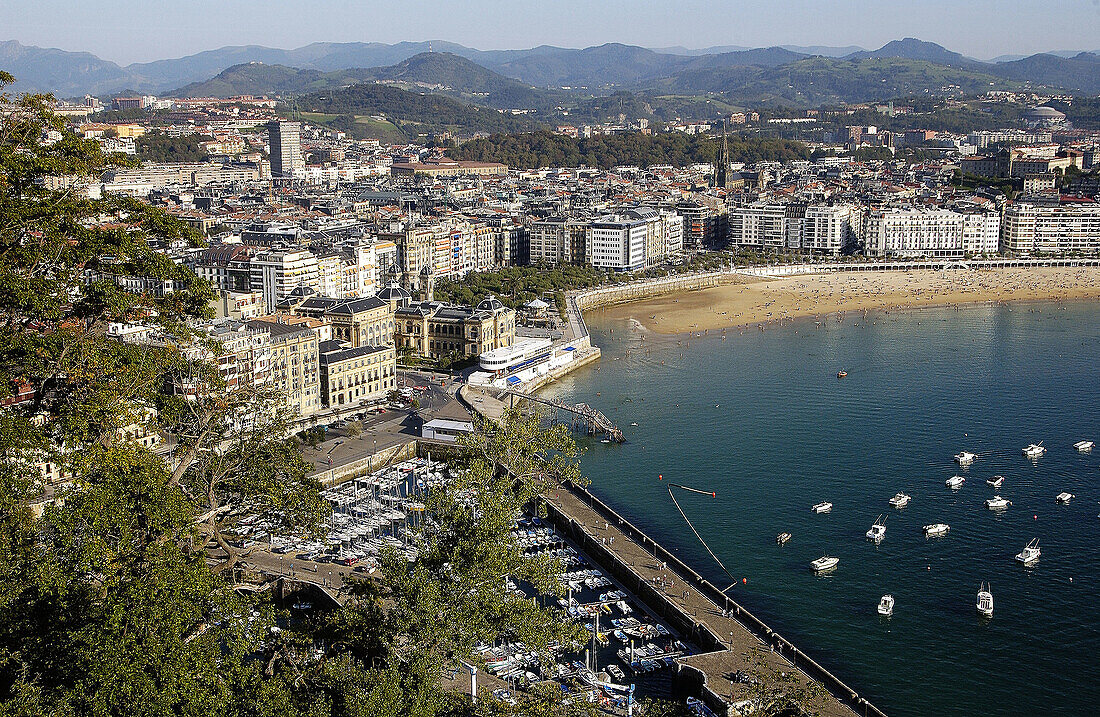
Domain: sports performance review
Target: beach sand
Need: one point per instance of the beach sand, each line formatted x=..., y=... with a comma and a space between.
x=764, y=301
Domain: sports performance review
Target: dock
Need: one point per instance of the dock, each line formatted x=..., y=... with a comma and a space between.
x=591, y=420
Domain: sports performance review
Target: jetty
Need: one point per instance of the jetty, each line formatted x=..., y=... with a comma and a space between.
x=583, y=416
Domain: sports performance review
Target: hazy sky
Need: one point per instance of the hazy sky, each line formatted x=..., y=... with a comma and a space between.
x=139, y=30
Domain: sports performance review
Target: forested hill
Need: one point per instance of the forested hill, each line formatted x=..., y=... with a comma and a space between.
x=411, y=111
x=546, y=149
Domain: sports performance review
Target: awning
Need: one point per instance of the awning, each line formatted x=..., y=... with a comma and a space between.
x=512, y=381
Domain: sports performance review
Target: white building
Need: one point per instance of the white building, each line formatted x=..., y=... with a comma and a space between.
x=981, y=233
x=1028, y=228
x=831, y=229
x=277, y=273
x=911, y=232
x=617, y=243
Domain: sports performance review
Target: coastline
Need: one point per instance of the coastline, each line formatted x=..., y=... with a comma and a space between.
x=774, y=300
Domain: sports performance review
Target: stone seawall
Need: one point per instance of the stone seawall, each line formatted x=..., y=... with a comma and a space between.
x=635, y=290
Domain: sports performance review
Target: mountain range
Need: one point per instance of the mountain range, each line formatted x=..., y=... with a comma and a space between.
x=601, y=68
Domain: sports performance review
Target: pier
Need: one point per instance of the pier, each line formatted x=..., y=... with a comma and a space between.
x=732, y=640
x=584, y=416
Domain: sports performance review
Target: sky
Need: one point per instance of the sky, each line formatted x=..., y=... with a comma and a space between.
x=141, y=30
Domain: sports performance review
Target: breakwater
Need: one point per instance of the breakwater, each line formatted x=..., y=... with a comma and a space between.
x=728, y=633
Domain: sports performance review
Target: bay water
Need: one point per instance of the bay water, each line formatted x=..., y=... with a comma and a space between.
x=761, y=419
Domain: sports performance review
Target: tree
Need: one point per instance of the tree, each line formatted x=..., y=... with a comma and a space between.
x=109, y=603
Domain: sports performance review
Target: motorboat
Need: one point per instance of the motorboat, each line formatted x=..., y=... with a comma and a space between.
x=877, y=532
x=995, y=481
x=1035, y=450
x=823, y=507
x=965, y=458
x=900, y=500
x=1084, y=446
x=886, y=605
x=841, y=374
x=1030, y=553
x=984, y=603
x=782, y=538
x=824, y=563
x=955, y=482
x=1064, y=498
x=936, y=529
x=998, y=503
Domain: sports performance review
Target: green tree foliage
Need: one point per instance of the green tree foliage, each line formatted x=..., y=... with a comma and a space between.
x=546, y=149
x=159, y=147
x=410, y=111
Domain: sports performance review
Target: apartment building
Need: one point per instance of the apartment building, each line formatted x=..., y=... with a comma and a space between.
x=1028, y=228
x=617, y=242
x=294, y=362
x=914, y=232
x=276, y=274
x=355, y=375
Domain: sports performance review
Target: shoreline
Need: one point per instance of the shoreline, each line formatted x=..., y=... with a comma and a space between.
x=768, y=301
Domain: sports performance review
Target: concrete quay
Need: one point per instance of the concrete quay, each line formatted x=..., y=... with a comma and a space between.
x=694, y=607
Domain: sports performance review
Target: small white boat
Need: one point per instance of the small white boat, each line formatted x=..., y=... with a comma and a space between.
x=955, y=482
x=886, y=606
x=936, y=529
x=823, y=507
x=877, y=533
x=1084, y=446
x=824, y=563
x=1064, y=498
x=965, y=458
x=1034, y=450
x=998, y=503
x=984, y=603
x=782, y=538
x=1030, y=553
x=995, y=481
x=900, y=500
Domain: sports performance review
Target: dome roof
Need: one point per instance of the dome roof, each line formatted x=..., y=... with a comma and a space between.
x=393, y=292
x=490, y=303
x=1045, y=112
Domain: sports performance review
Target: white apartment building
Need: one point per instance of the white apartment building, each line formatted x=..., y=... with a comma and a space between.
x=1028, y=228
x=758, y=226
x=912, y=232
x=981, y=233
x=831, y=229
x=275, y=274
x=617, y=242
x=330, y=276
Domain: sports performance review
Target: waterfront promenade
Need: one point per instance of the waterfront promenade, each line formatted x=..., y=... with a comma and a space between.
x=695, y=608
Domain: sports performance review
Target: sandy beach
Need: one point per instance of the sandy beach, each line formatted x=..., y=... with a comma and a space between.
x=765, y=301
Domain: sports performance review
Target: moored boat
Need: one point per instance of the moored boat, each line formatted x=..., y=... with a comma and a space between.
x=995, y=481
x=1064, y=497
x=984, y=602
x=955, y=482
x=782, y=538
x=823, y=507
x=936, y=529
x=886, y=605
x=964, y=458
x=1030, y=554
x=1084, y=446
x=998, y=503
x=825, y=562
x=841, y=374
x=877, y=533
x=1035, y=450
x=900, y=500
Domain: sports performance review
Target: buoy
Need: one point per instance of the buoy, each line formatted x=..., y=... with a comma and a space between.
x=1034, y=517
x=660, y=477
x=745, y=581
x=712, y=495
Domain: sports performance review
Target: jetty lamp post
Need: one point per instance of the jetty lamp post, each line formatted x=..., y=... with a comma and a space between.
x=473, y=681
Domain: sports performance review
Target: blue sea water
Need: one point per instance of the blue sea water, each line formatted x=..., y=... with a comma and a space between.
x=760, y=418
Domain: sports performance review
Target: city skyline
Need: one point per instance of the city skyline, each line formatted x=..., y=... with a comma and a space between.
x=126, y=31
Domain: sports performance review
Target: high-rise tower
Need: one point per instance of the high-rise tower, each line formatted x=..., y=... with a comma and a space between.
x=285, y=141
